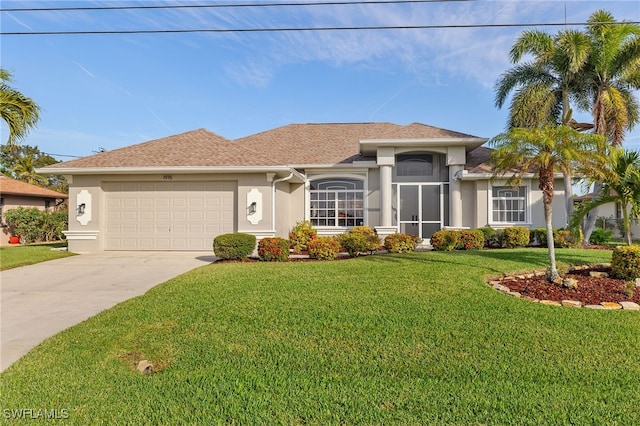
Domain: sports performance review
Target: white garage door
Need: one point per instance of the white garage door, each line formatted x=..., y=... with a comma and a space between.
x=167, y=215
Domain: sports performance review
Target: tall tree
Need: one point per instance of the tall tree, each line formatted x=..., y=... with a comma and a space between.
x=544, y=86
x=19, y=112
x=621, y=184
x=613, y=72
x=545, y=151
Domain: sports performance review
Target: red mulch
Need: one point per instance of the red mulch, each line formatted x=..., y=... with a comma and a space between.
x=590, y=291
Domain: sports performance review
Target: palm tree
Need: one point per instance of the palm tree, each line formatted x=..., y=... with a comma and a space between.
x=19, y=112
x=24, y=170
x=544, y=86
x=545, y=151
x=621, y=184
x=613, y=72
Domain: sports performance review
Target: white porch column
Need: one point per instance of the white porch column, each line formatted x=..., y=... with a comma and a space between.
x=385, y=196
x=456, y=158
x=455, y=196
x=385, y=160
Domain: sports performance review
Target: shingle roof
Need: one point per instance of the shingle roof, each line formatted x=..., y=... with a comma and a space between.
x=195, y=148
x=294, y=144
x=16, y=187
x=333, y=143
x=477, y=160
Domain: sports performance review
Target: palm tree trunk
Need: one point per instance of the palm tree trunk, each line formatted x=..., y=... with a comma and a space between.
x=553, y=270
x=627, y=224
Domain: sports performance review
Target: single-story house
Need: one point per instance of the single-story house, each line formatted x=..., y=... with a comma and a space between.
x=179, y=192
x=15, y=193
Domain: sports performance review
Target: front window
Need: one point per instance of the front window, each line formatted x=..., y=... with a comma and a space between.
x=509, y=204
x=337, y=202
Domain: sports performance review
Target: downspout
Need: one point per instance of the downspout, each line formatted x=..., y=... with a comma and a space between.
x=273, y=199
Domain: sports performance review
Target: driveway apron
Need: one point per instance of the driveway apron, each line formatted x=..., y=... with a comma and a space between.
x=38, y=301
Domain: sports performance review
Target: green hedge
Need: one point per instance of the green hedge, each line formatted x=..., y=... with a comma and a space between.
x=33, y=225
x=301, y=235
x=463, y=239
x=360, y=239
x=233, y=246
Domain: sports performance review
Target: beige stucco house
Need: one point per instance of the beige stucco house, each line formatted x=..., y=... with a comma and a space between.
x=14, y=193
x=179, y=192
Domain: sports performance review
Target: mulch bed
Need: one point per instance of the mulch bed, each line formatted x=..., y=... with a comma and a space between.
x=590, y=291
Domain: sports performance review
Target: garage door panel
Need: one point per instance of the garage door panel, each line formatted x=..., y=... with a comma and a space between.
x=167, y=215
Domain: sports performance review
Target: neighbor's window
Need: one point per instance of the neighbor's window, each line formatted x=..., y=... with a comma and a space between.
x=337, y=202
x=509, y=204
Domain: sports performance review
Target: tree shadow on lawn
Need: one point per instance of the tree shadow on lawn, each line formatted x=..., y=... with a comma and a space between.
x=537, y=258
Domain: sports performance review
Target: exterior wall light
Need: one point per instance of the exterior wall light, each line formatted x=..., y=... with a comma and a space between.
x=81, y=208
x=253, y=207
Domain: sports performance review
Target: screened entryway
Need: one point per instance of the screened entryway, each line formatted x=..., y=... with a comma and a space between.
x=421, y=208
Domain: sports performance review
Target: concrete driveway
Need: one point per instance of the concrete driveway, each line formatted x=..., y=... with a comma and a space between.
x=41, y=300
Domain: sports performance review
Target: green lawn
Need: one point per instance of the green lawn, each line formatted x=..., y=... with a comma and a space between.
x=15, y=256
x=389, y=339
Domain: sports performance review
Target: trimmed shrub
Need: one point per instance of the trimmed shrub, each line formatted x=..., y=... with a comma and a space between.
x=444, y=240
x=625, y=262
x=233, y=246
x=515, y=236
x=273, y=249
x=370, y=236
x=400, y=243
x=354, y=244
x=599, y=236
x=301, y=235
x=34, y=225
x=470, y=239
x=492, y=237
x=323, y=248
x=564, y=238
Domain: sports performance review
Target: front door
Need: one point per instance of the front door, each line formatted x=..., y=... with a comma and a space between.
x=423, y=208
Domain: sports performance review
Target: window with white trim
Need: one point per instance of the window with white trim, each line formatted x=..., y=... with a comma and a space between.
x=509, y=204
x=337, y=202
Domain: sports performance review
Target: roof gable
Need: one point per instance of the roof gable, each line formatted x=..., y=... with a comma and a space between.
x=16, y=187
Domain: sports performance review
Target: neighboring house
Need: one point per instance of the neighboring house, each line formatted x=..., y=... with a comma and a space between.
x=14, y=193
x=179, y=192
x=609, y=217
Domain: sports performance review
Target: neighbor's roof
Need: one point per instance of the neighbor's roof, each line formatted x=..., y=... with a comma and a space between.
x=294, y=144
x=16, y=187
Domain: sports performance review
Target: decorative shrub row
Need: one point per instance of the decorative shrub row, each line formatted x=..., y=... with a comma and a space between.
x=33, y=225
x=475, y=239
x=448, y=240
x=625, y=262
x=562, y=238
x=234, y=246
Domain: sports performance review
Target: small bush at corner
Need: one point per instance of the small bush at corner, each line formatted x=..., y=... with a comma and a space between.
x=323, y=248
x=600, y=236
x=625, y=262
x=445, y=240
x=400, y=243
x=233, y=246
x=273, y=249
x=301, y=235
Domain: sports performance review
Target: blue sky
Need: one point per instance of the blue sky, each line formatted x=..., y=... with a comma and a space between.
x=110, y=91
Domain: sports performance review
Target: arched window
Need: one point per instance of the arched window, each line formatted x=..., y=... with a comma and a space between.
x=337, y=202
x=415, y=165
